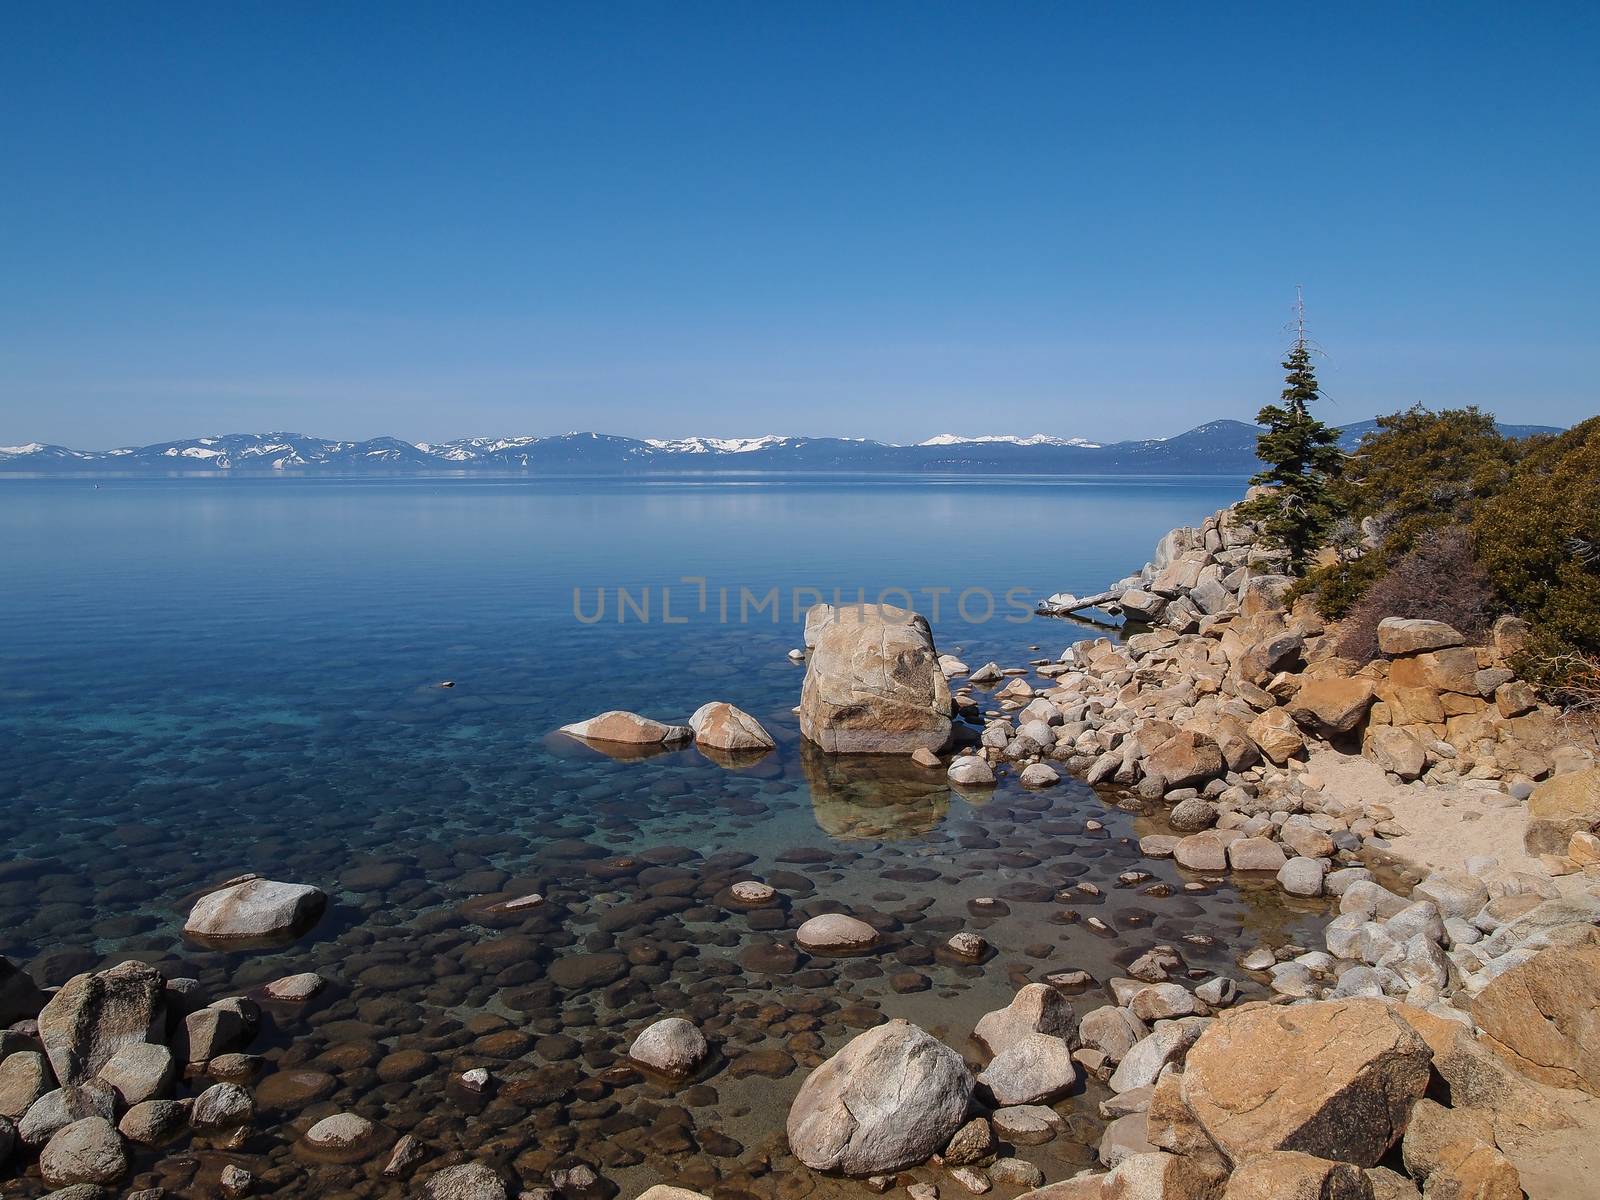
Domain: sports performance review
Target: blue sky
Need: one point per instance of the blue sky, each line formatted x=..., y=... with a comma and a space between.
x=873, y=219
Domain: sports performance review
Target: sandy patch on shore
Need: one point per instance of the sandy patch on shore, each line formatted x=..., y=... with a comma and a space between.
x=1444, y=826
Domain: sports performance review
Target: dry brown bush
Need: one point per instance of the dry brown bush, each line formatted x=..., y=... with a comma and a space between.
x=1439, y=581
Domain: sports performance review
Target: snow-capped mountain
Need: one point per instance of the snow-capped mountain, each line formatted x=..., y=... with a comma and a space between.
x=1038, y=439
x=1215, y=448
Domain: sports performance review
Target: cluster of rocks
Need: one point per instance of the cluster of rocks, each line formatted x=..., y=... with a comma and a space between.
x=1265, y=1101
x=716, y=727
x=91, y=1074
x=1216, y=708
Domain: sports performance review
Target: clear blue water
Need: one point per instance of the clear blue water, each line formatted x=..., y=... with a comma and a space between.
x=201, y=677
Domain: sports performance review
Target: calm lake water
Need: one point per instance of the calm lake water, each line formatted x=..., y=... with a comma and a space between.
x=204, y=677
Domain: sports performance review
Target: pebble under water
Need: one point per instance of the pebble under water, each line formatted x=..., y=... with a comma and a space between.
x=260, y=692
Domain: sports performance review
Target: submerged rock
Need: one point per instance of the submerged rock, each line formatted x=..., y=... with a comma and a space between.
x=836, y=933
x=671, y=1046
x=627, y=729
x=255, y=913
x=890, y=1099
x=20, y=997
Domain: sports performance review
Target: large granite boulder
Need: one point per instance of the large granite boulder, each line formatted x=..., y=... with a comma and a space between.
x=1543, y=1016
x=255, y=912
x=890, y=1099
x=96, y=1014
x=721, y=726
x=873, y=684
x=1278, y=736
x=20, y=997
x=1561, y=807
x=1357, y=1068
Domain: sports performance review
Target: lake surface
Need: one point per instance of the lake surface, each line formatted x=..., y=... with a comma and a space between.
x=203, y=677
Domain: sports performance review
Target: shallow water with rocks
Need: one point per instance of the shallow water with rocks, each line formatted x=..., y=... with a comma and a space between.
x=209, y=677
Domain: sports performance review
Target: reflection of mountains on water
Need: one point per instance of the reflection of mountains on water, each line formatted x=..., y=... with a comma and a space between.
x=876, y=797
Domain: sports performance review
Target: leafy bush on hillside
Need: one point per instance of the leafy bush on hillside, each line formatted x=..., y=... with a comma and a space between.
x=1539, y=539
x=1453, y=521
x=1421, y=472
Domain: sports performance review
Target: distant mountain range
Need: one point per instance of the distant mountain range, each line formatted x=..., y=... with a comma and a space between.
x=1215, y=448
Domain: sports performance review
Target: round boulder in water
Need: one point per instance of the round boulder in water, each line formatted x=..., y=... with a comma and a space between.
x=255, y=912
x=672, y=1046
x=835, y=933
x=890, y=1099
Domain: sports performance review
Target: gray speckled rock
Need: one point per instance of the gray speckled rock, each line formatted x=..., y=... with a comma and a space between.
x=469, y=1181
x=1141, y=1065
x=222, y=1106
x=1031, y=1070
x=57, y=1109
x=140, y=1071
x=255, y=912
x=890, y=1099
x=836, y=933
x=24, y=1077
x=672, y=1046
x=87, y=1151
x=98, y=1013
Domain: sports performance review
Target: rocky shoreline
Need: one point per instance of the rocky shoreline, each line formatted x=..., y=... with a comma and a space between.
x=1476, y=986
x=1435, y=1040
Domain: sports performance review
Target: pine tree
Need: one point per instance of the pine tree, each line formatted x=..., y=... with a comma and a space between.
x=1302, y=456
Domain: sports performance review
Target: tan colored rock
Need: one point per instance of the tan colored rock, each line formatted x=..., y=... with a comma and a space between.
x=1184, y=760
x=627, y=729
x=1169, y=1125
x=1470, y=1170
x=1394, y=749
x=1402, y=635
x=873, y=684
x=1331, y=707
x=1205, y=851
x=1412, y=705
x=1453, y=670
x=1560, y=807
x=1278, y=736
x=1290, y=1175
x=1433, y=1128
x=721, y=726
x=1357, y=1069
x=1160, y=1176
x=1543, y=1016
x=1255, y=854
x=1509, y=637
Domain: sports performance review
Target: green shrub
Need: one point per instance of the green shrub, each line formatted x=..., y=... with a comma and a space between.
x=1539, y=539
